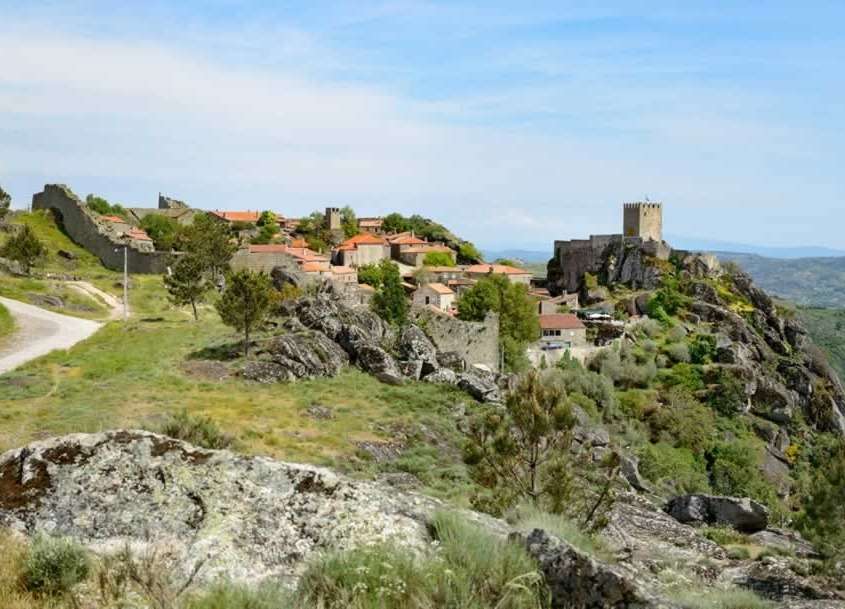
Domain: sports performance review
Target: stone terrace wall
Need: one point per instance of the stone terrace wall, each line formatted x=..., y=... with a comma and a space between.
x=476, y=342
x=81, y=226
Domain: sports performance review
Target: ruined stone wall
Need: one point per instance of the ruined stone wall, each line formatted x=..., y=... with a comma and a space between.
x=81, y=226
x=476, y=342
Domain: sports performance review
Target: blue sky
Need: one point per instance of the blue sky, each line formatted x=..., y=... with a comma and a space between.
x=514, y=125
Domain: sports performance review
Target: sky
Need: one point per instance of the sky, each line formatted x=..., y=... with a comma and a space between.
x=513, y=123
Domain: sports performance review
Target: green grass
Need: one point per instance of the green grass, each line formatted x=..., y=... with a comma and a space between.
x=132, y=376
x=827, y=329
x=719, y=599
x=7, y=324
x=527, y=518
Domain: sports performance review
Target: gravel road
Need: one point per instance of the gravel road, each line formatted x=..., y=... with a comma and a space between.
x=38, y=332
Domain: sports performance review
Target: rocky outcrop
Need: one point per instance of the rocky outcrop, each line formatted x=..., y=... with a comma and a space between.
x=321, y=335
x=246, y=518
x=576, y=580
x=743, y=514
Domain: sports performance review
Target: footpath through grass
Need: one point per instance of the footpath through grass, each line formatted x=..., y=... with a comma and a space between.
x=7, y=324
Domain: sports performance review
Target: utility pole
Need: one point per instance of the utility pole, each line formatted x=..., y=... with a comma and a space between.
x=125, y=284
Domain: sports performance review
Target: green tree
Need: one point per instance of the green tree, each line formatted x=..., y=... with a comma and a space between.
x=267, y=217
x=265, y=234
x=245, y=302
x=395, y=223
x=186, y=282
x=349, y=222
x=103, y=207
x=210, y=239
x=823, y=520
x=438, y=259
x=370, y=274
x=518, y=320
x=163, y=230
x=468, y=254
x=5, y=204
x=389, y=301
x=522, y=452
x=24, y=247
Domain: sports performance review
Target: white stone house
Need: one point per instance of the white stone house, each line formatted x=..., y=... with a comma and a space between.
x=436, y=295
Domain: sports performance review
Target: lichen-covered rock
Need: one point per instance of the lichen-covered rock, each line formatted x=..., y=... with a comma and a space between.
x=306, y=354
x=248, y=517
x=415, y=345
x=741, y=513
x=444, y=376
x=479, y=387
x=576, y=580
x=379, y=363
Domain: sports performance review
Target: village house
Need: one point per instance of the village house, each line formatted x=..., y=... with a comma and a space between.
x=550, y=306
x=265, y=257
x=445, y=274
x=344, y=274
x=248, y=217
x=479, y=271
x=562, y=331
x=121, y=228
x=401, y=242
x=364, y=248
x=370, y=225
x=436, y=295
x=415, y=255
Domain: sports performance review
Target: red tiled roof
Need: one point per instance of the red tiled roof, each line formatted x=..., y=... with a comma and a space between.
x=301, y=253
x=138, y=234
x=561, y=321
x=237, y=216
x=363, y=239
x=312, y=267
x=496, y=269
x=299, y=243
x=116, y=219
x=407, y=240
x=438, y=287
x=343, y=270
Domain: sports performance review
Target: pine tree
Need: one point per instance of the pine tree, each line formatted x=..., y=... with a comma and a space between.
x=389, y=301
x=186, y=282
x=24, y=247
x=245, y=302
x=5, y=204
x=211, y=240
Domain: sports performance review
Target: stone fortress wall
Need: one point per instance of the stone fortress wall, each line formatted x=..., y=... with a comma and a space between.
x=85, y=229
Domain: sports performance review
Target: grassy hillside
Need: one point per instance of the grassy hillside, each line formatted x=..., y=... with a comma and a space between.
x=7, y=324
x=815, y=282
x=827, y=329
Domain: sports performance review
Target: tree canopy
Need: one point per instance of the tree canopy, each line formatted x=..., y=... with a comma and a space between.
x=389, y=301
x=163, y=230
x=245, y=302
x=5, y=204
x=349, y=222
x=211, y=240
x=518, y=319
x=186, y=282
x=438, y=259
x=24, y=247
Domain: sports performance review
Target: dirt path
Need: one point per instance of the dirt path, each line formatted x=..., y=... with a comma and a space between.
x=39, y=332
x=114, y=304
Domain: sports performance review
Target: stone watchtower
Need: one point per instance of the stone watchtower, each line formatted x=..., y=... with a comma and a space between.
x=333, y=218
x=644, y=220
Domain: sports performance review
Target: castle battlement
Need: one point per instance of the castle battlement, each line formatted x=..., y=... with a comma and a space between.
x=643, y=219
x=642, y=204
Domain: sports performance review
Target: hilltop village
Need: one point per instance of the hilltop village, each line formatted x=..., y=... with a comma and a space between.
x=640, y=426
x=336, y=247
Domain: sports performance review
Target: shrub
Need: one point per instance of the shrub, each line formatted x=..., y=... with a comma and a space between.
x=683, y=422
x=438, y=259
x=729, y=396
x=679, y=353
x=197, y=430
x=724, y=535
x=676, y=334
x=54, y=566
x=702, y=348
x=471, y=569
x=684, y=376
x=734, y=471
x=526, y=518
x=719, y=599
x=677, y=468
x=163, y=230
x=578, y=380
x=637, y=403
x=225, y=595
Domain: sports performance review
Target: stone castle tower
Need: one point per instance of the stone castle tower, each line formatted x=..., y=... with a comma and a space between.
x=333, y=218
x=643, y=220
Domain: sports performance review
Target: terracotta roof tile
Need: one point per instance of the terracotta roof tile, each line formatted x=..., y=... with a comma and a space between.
x=439, y=288
x=237, y=216
x=496, y=269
